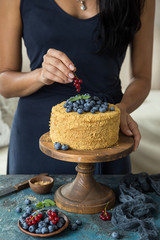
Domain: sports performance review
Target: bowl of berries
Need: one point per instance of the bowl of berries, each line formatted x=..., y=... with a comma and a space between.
x=43, y=223
x=41, y=184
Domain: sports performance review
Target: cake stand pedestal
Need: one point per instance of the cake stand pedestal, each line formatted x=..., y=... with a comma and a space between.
x=84, y=194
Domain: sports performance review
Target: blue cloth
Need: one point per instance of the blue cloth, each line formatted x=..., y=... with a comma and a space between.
x=135, y=213
x=46, y=25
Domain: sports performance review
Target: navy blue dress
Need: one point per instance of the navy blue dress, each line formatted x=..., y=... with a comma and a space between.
x=46, y=25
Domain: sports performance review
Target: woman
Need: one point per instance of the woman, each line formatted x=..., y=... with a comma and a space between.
x=89, y=37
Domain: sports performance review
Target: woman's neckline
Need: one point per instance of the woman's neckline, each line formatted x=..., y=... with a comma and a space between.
x=72, y=17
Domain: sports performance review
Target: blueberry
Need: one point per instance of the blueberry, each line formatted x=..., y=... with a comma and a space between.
x=88, y=105
x=65, y=105
x=112, y=109
x=64, y=147
x=18, y=210
x=32, y=228
x=44, y=230
x=38, y=230
x=92, y=103
x=102, y=110
x=42, y=224
x=68, y=109
x=75, y=109
x=61, y=219
x=80, y=111
x=78, y=102
x=80, y=106
x=22, y=219
x=85, y=105
x=25, y=226
x=56, y=211
x=75, y=104
x=70, y=103
x=86, y=109
x=74, y=226
x=57, y=145
x=78, y=222
x=99, y=102
x=27, y=201
x=46, y=220
x=50, y=228
x=82, y=101
x=106, y=104
x=60, y=224
x=115, y=235
x=92, y=110
x=25, y=214
x=29, y=210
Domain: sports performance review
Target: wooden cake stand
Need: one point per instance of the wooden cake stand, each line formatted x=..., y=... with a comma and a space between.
x=84, y=194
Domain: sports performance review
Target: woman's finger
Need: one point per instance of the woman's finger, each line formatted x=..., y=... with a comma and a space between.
x=55, y=72
x=134, y=129
x=57, y=67
x=63, y=57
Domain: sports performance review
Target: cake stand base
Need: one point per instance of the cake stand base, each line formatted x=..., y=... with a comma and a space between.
x=84, y=194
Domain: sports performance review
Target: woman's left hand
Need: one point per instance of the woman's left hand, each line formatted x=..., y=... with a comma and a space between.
x=128, y=126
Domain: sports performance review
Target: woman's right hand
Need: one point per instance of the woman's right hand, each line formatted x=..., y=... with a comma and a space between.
x=56, y=67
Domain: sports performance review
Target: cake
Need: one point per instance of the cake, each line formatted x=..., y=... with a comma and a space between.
x=87, y=131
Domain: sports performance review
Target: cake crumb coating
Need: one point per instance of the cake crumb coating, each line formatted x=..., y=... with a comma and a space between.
x=85, y=131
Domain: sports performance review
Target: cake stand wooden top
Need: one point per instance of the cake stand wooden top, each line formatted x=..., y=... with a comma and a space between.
x=121, y=149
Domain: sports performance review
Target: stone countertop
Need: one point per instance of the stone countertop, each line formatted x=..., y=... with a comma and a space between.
x=92, y=228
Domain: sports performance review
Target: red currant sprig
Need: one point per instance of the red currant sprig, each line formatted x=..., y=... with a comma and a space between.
x=105, y=215
x=32, y=220
x=53, y=216
x=77, y=83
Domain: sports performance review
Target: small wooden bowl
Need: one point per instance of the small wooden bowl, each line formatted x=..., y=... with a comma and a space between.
x=41, y=184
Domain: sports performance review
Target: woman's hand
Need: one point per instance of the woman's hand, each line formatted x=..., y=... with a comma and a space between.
x=56, y=67
x=128, y=126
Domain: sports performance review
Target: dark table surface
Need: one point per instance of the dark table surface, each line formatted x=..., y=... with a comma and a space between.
x=92, y=228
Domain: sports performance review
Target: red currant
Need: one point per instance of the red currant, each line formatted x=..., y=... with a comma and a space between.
x=53, y=214
x=37, y=219
x=49, y=212
x=78, y=89
x=108, y=217
x=27, y=220
x=77, y=85
x=56, y=219
x=51, y=218
x=76, y=81
x=40, y=215
x=80, y=81
x=30, y=223
x=53, y=221
x=104, y=218
x=33, y=222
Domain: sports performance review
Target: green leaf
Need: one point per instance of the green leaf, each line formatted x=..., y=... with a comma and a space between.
x=73, y=99
x=49, y=201
x=45, y=203
x=39, y=205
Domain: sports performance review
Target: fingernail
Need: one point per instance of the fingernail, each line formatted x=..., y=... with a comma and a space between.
x=70, y=80
x=71, y=67
x=129, y=132
x=71, y=75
